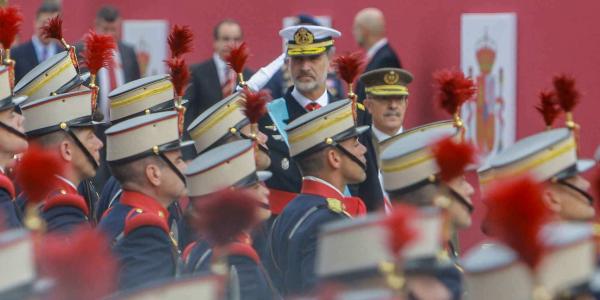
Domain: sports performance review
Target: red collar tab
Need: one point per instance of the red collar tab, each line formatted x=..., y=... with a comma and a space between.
x=317, y=188
x=144, y=202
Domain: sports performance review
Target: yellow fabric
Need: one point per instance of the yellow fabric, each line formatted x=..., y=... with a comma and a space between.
x=138, y=97
x=216, y=117
x=293, y=138
x=519, y=168
x=310, y=49
x=407, y=162
x=52, y=74
x=385, y=90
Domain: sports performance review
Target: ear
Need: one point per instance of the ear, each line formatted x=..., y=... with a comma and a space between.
x=368, y=104
x=551, y=200
x=334, y=160
x=66, y=150
x=153, y=174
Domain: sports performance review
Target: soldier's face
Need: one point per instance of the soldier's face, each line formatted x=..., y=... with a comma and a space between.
x=262, y=194
x=228, y=35
x=568, y=203
x=93, y=144
x=351, y=170
x=9, y=142
x=459, y=213
x=171, y=185
x=309, y=73
x=110, y=28
x=388, y=113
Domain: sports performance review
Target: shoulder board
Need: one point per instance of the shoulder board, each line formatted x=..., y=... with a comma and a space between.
x=138, y=218
x=186, y=252
x=65, y=199
x=360, y=106
x=241, y=249
x=335, y=205
x=278, y=112
x=7, y=185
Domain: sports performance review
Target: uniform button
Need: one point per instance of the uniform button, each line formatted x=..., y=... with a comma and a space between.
x=285, y=163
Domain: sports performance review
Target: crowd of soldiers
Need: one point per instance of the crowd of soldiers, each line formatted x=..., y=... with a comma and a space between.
x=297, y=197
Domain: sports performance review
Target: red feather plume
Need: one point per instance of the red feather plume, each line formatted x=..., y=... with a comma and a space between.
x=255, y=105
x=80, y=265
x=568, y=96
x=180, y=40
x=53, y=28
x=453, y=157
x=516, y=214
x=348, y=66
x=237, y=57
x=98, y=51
x=180, y=74
x=454, y=89
x=222, y=216
x=10, y=23
x=548, y=107
x=35, y=171
x=399, y=227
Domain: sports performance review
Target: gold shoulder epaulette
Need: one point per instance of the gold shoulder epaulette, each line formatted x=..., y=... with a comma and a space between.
x=335, y=205
x=360, y=106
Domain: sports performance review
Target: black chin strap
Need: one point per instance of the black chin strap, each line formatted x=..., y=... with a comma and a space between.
x=260, y=146
x=173, y=167
x=13, y=131
x=87, y=153
x=461, y=200
x=351, y=156
x=585, y=194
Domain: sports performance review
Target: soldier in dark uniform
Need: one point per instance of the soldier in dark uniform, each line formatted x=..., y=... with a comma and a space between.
x=411, y=175
x=231, y=165
x=325, y=144
x=143, y=96
x=308, y=50
x=144, y=156
x=12, y=141
x=63, y=124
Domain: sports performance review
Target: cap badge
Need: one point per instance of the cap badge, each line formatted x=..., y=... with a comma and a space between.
x=391, y=78
x=303, y=37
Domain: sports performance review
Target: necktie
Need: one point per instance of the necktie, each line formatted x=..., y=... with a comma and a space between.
x=228, y=85
x=44, y=53
x=312, y=106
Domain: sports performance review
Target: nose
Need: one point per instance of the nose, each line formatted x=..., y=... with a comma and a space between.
x=362, y=149
x=98, y=142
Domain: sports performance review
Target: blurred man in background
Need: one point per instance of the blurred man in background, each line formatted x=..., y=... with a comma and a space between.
x=37, y=49
x=212, y=80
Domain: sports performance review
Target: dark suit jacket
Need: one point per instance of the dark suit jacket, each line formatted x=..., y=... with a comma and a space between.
x=204, y=89
x=25, y=58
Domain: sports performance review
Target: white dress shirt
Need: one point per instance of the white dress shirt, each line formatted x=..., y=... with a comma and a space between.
x=222, y=68
x=104, y=83
x=381, y=136
x=323, y=100
x=39, y=48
